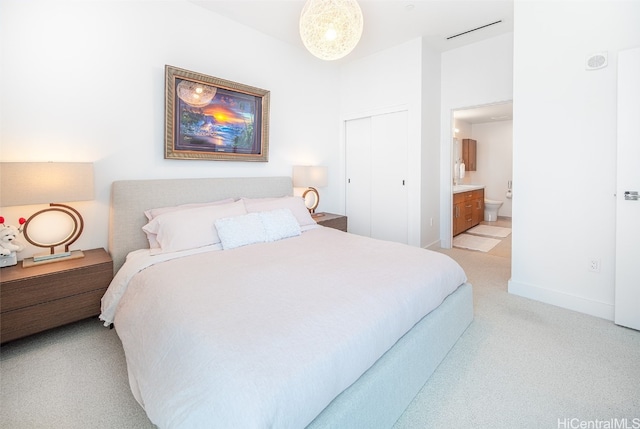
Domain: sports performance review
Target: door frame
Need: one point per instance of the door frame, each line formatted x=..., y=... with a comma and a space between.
x=446, y=189
x=627, y=236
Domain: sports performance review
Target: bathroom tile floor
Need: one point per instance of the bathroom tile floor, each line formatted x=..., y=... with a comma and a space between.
x=502, y=249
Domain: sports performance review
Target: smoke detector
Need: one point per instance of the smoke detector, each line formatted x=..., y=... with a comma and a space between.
x=596, y=61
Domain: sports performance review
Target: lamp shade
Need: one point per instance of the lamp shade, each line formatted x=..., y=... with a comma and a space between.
x=309, y=176
x=26, y=183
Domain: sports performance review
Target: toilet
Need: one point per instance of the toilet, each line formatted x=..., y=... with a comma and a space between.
x=491, y=208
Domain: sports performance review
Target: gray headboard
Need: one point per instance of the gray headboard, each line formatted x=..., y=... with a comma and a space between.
x=130, y=198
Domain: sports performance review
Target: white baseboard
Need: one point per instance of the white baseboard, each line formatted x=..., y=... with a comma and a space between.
x=560, y=299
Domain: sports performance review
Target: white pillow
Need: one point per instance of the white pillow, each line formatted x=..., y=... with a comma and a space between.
x=152, y=213
x=279, y=224
x=295, y=204
x=257, y=228
x=240, y=231
x=191, y=228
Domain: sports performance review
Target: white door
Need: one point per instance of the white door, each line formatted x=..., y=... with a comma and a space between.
x=358, y=172
x=389, y=211
x=376, y=168
x=627, y=300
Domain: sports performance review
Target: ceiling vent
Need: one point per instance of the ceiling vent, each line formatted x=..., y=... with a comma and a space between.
x=473, y=29
x=596, y=61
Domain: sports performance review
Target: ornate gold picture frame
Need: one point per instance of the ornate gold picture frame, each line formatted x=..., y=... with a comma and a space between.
x=208, y=118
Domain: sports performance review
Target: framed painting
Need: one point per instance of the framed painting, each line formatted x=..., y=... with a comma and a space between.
x=208, y=118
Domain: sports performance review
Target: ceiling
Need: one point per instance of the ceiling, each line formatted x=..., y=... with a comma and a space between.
x=388, y=23
x=484, y=114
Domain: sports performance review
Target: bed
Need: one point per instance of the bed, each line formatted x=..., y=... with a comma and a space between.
x=305, y=326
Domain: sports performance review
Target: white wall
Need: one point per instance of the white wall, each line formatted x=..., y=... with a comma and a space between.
x=430, y=210
x=84, y=81
x=388, y=81
x=473, y=75
x=494, y=156
x=564, y=132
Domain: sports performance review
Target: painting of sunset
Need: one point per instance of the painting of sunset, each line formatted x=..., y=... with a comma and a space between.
x=229, y=123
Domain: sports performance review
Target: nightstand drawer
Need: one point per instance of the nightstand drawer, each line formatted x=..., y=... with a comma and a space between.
x=37, y=290
x=46, y=296
x=26, y=321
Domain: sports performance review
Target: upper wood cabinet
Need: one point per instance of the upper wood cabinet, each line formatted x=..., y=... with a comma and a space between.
x=469, y=154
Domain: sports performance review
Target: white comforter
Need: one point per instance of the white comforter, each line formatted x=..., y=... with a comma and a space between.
x=267, y=335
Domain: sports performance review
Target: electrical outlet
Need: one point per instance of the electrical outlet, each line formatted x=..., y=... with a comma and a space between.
x=594, y=265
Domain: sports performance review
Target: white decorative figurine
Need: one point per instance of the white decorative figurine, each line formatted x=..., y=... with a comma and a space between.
x=8, y=243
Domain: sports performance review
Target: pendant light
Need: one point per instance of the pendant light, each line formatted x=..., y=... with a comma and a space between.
x=330, y=29
x=195, y=94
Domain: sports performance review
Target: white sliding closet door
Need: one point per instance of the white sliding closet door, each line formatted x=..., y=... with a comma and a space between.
x=376, y=167
x=388, y=178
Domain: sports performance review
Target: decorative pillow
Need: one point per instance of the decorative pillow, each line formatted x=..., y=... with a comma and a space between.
x=191, y=228
x=153, y=213
x=240, y=231
x=295, y=204
x=279, y=224
x=254, y=228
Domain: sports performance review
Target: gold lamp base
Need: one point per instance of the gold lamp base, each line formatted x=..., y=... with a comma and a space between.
x=316, y=199
x=47, y=258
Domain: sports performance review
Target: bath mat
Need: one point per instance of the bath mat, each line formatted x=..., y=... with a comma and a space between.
x=473, y=242
x=491, y=231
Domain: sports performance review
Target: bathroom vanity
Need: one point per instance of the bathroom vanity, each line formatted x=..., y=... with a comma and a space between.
x=468, y=207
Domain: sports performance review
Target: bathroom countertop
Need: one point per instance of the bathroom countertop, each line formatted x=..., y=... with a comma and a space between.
x=466, y=188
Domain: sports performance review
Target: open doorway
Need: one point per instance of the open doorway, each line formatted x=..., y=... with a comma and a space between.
x=481, y=178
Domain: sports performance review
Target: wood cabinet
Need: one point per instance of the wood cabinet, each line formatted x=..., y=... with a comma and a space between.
x=469, y=147
x=331, y=220
x=468, y=210
x=46, y=296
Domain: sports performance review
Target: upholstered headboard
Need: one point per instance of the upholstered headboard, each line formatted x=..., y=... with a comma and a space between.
x=130, y=198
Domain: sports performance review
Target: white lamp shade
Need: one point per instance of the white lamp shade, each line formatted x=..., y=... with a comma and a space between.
x=26, y=183
x=309, y=176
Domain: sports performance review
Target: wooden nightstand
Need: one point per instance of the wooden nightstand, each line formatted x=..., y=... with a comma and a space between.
x=38, y=298
x=332, y=221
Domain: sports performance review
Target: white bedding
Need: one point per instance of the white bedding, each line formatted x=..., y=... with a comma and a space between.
x=267, y=335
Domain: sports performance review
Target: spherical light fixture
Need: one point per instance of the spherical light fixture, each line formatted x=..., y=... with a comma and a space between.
x=330, y=29
x=195, y=94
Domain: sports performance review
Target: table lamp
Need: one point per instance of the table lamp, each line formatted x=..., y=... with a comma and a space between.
x=27, y=183
x=310, y=177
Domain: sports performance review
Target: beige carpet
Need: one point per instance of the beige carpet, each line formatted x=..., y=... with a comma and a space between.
x=528, y=365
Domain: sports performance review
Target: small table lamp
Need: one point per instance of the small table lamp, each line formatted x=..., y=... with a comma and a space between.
x=26, y=183
x=310, y=177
